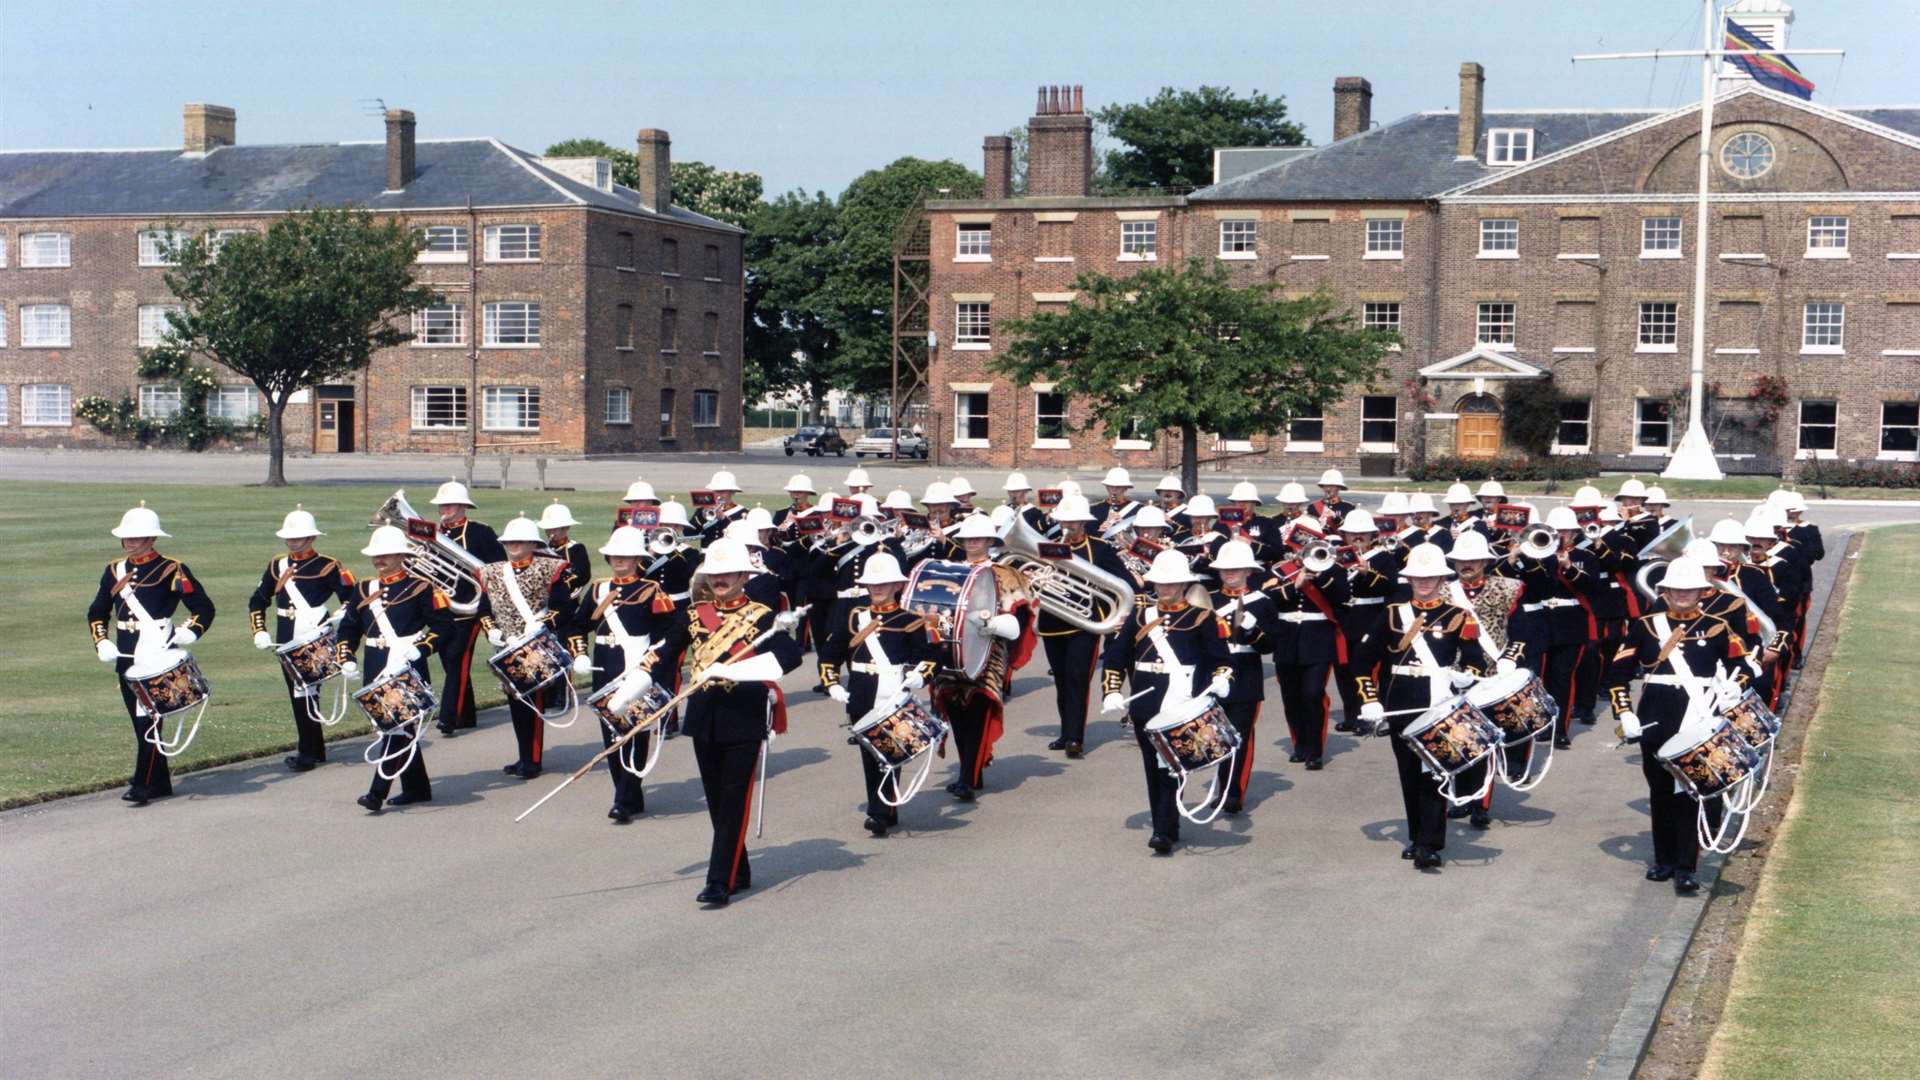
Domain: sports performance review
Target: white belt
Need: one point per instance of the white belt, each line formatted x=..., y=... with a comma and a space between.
x=1367, y=601
x=286, y=612
x=1152, y=667
x=1409, y=669
x=1556, y=602
x=1696, y=682
x=610, y=639
x=847, y=593
x=1239, y=650
x=126, y=624
x=1302, y=616
x=676, y=597
x=374, y=642
x=1612, y=584
x=865, y=668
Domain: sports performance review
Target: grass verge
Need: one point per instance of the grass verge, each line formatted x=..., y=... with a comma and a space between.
x=1743, y=488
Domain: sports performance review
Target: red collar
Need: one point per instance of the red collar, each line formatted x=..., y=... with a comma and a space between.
x=1225, y=591
x=1686, y=617
x=142, y=560
x=1429, y=605
x=394, y=578
x=628, y=580
x=1169, y=609
x=886, y=608
x=302, y=556
x=730, y=605
x=521, y=564
x=456, y=523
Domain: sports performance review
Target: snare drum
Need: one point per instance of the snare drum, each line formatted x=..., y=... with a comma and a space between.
x=1453, y=736
x=1708, y=763
x=1193, y=736
x=312, y=658
x=168, y=684
x=951, y=595
x=601, y=701
x=1754, y=722
x=1517, y=702
x=398, y=699
x=900, y=736
x=529, y=665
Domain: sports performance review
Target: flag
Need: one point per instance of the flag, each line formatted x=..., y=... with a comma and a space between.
x=1775, y=72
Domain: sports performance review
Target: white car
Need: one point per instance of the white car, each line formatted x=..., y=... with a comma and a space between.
x=878, y=442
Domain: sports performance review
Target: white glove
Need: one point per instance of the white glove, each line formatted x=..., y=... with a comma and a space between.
x=1247, y=621
x=410, y=653
x=1462, y=679
x=1004, y=627
x=107, y=651
x=787, y=622
x=183, y=637
x=1112, y=705
x=262, y=640
x=1373, y=712
x=1505, y=666
x=583, y=664
x=496, y=638
x=713, y=671
x=1220, y=687
x=349, y=669
x=1630, y=725
x=913, y=681
x=838, y=693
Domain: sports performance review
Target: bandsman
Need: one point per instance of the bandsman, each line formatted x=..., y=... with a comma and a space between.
x=457, y=712
x=519, y=596
x=556, y=523
x=711, y=521
x=1307, y=646
x=1332, y=505
x=974, y=707
x=306, y=579
x=1072, y=651
x=400, y=620
x=1253, y=625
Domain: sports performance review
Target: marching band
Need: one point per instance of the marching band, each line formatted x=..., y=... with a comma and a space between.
x=1476, y=641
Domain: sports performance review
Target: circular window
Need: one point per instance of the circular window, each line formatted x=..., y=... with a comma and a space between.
x=1747, y=156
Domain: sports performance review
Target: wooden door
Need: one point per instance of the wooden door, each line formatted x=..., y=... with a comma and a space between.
x=1478, y=435
x=326, y=435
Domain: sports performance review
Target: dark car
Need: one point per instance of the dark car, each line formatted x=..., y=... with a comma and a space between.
x=815, y=441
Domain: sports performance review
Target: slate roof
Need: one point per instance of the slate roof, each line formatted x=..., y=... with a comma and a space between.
x=269, y=179
x=1230, y=162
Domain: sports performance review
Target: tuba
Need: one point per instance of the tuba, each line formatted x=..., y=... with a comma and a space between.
x=439, y=560
x=1669, y=545
x=1072, y=590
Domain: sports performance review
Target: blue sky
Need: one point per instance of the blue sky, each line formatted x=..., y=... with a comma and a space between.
x=812, y=94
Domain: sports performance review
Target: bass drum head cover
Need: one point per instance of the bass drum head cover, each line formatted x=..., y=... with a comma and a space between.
x=952, y=595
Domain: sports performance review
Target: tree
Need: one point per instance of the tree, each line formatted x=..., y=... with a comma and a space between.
x=791, y=342
x=1185, y=349
x=304, y=303
x=718, y=193
x=1170, y=138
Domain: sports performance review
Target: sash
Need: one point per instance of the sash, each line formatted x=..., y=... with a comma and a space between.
x=1179, y=675
x=1439, y=683
x=632, y=648
x=519, y=598
x=777, y=703
x=306, y=616
x=892, y=682
x=129, y=593
x=1319, y=600
x=394, y=641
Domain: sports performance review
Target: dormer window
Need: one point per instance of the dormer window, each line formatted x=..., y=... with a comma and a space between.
x=1509, y=146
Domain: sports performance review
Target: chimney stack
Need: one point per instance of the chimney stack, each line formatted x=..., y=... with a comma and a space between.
x=1473, y=86
x=999, y=167
x=208, y=126
x=1352, y=106
x=1059, y=144
x=655, y=157
x=399, y=149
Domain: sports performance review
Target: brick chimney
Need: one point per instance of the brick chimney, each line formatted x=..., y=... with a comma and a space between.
x=1473, y=87
x=655, y=156
x=399, y=149
x=208, y=126
x=999, y=167
x=1059, y=144
x=1352, y=106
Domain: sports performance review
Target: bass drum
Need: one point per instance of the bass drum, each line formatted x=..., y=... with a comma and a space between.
x=952, y=596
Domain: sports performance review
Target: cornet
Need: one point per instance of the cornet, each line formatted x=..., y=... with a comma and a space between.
x=1539, y=542
x=1317, y=558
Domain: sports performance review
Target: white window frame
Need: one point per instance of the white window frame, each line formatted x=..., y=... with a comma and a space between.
x=217, y=239
x=1239, y=246
x=1649, y=332
x=1509, y=146
x=1640, y=422
x=29, y=333
x=492, y=321
x=62, y=395
x=1369, y=322
x=524, y=237
x=149, y=244
x=1481, y=322
x=495, y=401
x=1062, y=441
x=623, y=397
x=1500, y=232
x=3, y=325
x=1898, y=455
x=1827, y=236
x=429, y=319
x=1140, y=241
x=1580, y=447
x=5, y=406
x=460, y=244
x=1661, y=237
x=1801, y=427
x=1386, y=239
x=966, y=241
x=961, y=398
x=1376, y=446
x=707, y=402
x=34, y=253
x=453, y=402
x=159, y=401
x=3, y=249
x=1301, y=446
x=1131, y=440
x=219, y=405
x=153, y=325
x=972, y=325
x=1828, y=321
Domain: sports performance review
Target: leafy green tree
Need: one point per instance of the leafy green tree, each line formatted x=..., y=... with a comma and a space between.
x=1185, y=349
x=791, y=340
x=303, y=303
x=626, y=169
x=1170, y=137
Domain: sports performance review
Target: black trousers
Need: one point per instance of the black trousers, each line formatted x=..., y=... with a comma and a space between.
x=1072, y=656
x=969, y=723
x=1303, y=695
x=626, y=786
x=529, y=731
x=151, y=776
x=1419, y=794
x=1561, y=675
x=1243, y=715
x=413, y=779
x=1593, y=661
x=820, y=621
x=1518, y=758
x=1673, y=814
x=1349, y=694
x=1161, y=786
x=456, y=663
x=875, y=807
x=310, y=736
x=726, y=775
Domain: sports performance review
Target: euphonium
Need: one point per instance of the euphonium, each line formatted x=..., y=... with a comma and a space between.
x=1661, y=550
x=1072, y=590
x=444, y=563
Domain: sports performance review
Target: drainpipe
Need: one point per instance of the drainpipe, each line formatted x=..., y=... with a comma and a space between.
x=473, y=338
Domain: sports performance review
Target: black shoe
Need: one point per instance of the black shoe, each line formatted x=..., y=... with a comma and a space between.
x=618, y=815
x=1585, y=718
x=1295, y=757
x=1425, y=860
x=1344, y=727
x=819, y=688
x=712, y=896
x=404, y=799
x=531, y=772
x=1316, y=764
x=1684, y=883
x=1455, y=813
x=1407, y=852
x=961, y=791
x=300, y=764
x=136, y=796
x=1481, y=819
x=512, y=768
x=371, y=802
x=1075, y=750
x=1232, y=808
x=1057, y=744
x=1561, y=742
x=1659, y=872
x=1160, y=843
x=445, y=729
x=877, y=826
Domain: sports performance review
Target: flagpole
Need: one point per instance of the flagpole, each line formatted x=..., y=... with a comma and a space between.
x=1693, y=458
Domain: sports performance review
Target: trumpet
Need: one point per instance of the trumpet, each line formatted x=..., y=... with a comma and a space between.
x=1539, y=542
x=1594, y=530
x=1317, y=558
x=1072, y=590
x=441, y=561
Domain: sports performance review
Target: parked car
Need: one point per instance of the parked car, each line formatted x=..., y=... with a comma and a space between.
x=815, y=441
x=879, y=443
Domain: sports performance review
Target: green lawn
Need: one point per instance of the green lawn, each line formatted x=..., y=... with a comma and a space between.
x=1828, y=979
x=1744, y=488
x=62, y=726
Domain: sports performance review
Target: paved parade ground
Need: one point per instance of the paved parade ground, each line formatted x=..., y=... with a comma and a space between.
x=261, y=923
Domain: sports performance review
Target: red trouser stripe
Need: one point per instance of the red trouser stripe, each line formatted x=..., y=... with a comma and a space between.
x=746, y=815
x=1246, y=748
x=465, y=674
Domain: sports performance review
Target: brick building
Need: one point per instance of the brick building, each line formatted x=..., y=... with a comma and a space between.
x=577, y=315
x=1506, y=247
